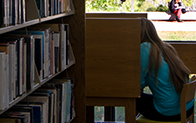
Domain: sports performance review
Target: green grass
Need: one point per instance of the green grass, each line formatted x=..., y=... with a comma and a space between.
x=178, y=35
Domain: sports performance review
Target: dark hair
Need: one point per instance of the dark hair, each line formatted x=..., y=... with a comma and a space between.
x=179, y=73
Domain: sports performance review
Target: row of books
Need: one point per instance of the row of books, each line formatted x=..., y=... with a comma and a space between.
x=52, y=103
x=12, y=12
x=22, y=51
x=52, y=7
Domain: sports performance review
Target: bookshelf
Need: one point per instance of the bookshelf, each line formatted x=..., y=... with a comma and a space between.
x=75, y=69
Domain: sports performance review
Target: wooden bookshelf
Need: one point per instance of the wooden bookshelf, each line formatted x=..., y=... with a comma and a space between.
x=75, y=69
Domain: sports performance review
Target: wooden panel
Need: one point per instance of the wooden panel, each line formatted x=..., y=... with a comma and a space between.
x=116, y=15
x=112, y=57
x=187, y=54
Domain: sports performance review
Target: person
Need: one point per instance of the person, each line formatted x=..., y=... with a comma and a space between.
x=177, y=8
x=164, y=73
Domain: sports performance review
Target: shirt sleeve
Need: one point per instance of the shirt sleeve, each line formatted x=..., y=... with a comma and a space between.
x=144, y=56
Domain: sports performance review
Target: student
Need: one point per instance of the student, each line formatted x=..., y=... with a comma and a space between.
x=164, y=73
x=176, y=8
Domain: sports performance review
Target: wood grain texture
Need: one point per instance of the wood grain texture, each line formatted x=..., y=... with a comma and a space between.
x=116, y=15
x=187, y=54
x=112, y=57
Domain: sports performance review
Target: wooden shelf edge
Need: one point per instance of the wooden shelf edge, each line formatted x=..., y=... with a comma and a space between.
x=57, y=16
x=33, y=22
x=18, y=26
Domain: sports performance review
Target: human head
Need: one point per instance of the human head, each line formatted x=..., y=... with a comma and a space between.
x=149, y=33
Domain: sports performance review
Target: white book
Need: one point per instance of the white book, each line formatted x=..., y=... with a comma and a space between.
x=2, y=81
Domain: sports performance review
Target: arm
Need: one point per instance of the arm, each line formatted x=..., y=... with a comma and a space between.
x=144, y=56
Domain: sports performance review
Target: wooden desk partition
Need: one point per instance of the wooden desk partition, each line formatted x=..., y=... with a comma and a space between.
x=112, y=60
x=116, y=15
x=187, y=53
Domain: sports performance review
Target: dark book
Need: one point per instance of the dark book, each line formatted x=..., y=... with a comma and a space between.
x=39, y=6
x=38, y=56
x=15, y=12
x=48, y=94
x=30, y=64
x=23, y=11
x=55, y=7
x=37, y=109
x=10, y=11
x=67, y=44
x=3, y=14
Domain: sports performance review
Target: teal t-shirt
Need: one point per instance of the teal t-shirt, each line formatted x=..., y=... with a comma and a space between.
x=166, y=100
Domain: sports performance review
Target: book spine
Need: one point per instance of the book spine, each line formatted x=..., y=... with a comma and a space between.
x=56, y=51
x=20, y=66
x=7, y=12
x=10, y=11
x=19, y=11
x=11, y=71
x=25, y=69
x=23, y=11
x=67, y=44
x=2, y=82
x=38, y=56
x=17, y=69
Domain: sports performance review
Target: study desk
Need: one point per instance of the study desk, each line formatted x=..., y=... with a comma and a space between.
x=112, y=64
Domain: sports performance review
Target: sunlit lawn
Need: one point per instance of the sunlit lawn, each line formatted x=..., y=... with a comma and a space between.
x=178, y=35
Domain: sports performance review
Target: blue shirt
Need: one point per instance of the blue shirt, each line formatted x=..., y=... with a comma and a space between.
x=166, y=100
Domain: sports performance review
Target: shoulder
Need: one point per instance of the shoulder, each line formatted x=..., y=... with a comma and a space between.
x=145, y=45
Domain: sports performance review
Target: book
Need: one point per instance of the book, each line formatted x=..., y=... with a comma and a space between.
x=56, y=37
x=43, y=99
x=67, y=44
x=54, y=102
x=37, y=109
x=23, y=11
x=36, y=32
x=52, y=56
x=3, y=13
x=4, y=47
x=38, y=55
x=64, y=84
x=12, y=66
x=10, y=11
x=17, y=110
x=15, y=12
x=2, y=82
x=39, y=6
